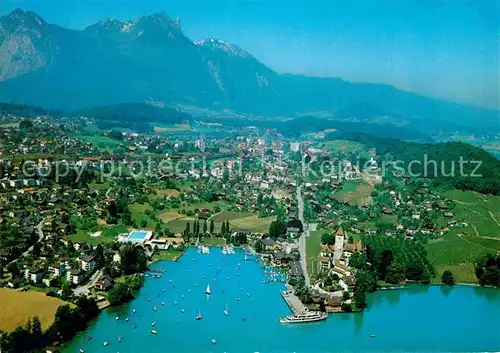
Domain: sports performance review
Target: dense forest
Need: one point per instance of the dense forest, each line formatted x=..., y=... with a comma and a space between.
x=27, y=110
x=480, y=171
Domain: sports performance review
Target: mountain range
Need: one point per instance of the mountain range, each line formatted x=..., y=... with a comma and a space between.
x=150, y=59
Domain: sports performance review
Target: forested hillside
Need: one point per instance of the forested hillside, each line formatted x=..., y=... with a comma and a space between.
x=480, y=171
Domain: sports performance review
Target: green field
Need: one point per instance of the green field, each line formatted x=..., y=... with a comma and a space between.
x=103, y=142
x=343, y=146
x=167, y=255
x=460, y=248
x=229, y=216
x=213, y=241
x=252, y=223
x=245, y=222
x=172, y=128
x=137, y=211
x=313, y=242
x=355, y=193
x=481, y=211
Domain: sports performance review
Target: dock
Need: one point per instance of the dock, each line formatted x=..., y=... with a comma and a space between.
x=293, y=302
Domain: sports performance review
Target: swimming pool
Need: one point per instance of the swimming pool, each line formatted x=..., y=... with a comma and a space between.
x=137, y=235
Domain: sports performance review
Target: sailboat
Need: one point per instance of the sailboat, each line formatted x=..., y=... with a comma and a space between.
x=199, y=316
x=225, y=311
x=207, y=291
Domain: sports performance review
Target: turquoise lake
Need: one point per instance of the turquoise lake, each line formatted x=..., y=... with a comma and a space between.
x=420, y=318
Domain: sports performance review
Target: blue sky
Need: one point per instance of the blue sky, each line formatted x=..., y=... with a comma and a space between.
x=445, y=49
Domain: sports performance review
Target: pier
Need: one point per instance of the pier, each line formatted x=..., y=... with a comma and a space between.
x=293, y=302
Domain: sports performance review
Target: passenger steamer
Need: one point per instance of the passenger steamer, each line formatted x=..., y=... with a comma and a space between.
x=310, y=316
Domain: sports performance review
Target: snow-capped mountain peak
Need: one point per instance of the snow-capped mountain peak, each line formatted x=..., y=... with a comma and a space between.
x=217, y=44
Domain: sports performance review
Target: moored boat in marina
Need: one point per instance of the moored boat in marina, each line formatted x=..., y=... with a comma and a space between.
x=310, y=316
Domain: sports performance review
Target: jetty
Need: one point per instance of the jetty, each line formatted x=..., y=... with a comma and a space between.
x=293, y=302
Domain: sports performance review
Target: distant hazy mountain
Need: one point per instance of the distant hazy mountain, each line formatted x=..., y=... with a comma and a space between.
x=149, y=58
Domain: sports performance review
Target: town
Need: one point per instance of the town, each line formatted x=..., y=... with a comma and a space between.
x=86, y=211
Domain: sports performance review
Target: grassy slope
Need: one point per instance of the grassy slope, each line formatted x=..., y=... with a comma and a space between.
x=18, y=307
x=459, y=249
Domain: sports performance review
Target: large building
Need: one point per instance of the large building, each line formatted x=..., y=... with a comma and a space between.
x=295, y=146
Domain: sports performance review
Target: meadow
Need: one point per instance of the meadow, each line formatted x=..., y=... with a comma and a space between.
x=343, y=146
x=18, y=307
x=355, y=193
x=313, y=243
x=459, y=249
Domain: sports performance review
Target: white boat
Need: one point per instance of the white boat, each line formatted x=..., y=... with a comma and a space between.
x=82, y=351
x=154, y=332
x=225, y=311
x=311, y=316
x=214, y=341
x=117, y=318
x=182, y=311
x=199, y=316
x=106, y=344
x=207, y=291
x=134, y=311
x=127, y=319
x=153, y=324
x=154, y=308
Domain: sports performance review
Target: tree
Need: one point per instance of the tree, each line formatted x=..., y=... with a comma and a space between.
x=328, y=238
x=144, y=223
x=346, y=307
x=346, y=296
x=66, y=291
x=36, y=332
x=385, y=260
x=357, y=260
x=414, y=271
x=360, y=299
x=133, y=259
x=99, y=255
x=120, y=293
x=204, y=227
x=25, y=124
x=212, y=227
x=395, y=274
x=258, y=246
x=14, y=270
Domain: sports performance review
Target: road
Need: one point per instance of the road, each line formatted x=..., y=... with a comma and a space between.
x=302, y=238
x=30, y=249
x=85, y=288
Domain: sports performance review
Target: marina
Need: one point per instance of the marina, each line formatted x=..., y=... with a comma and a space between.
x=254, y=310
